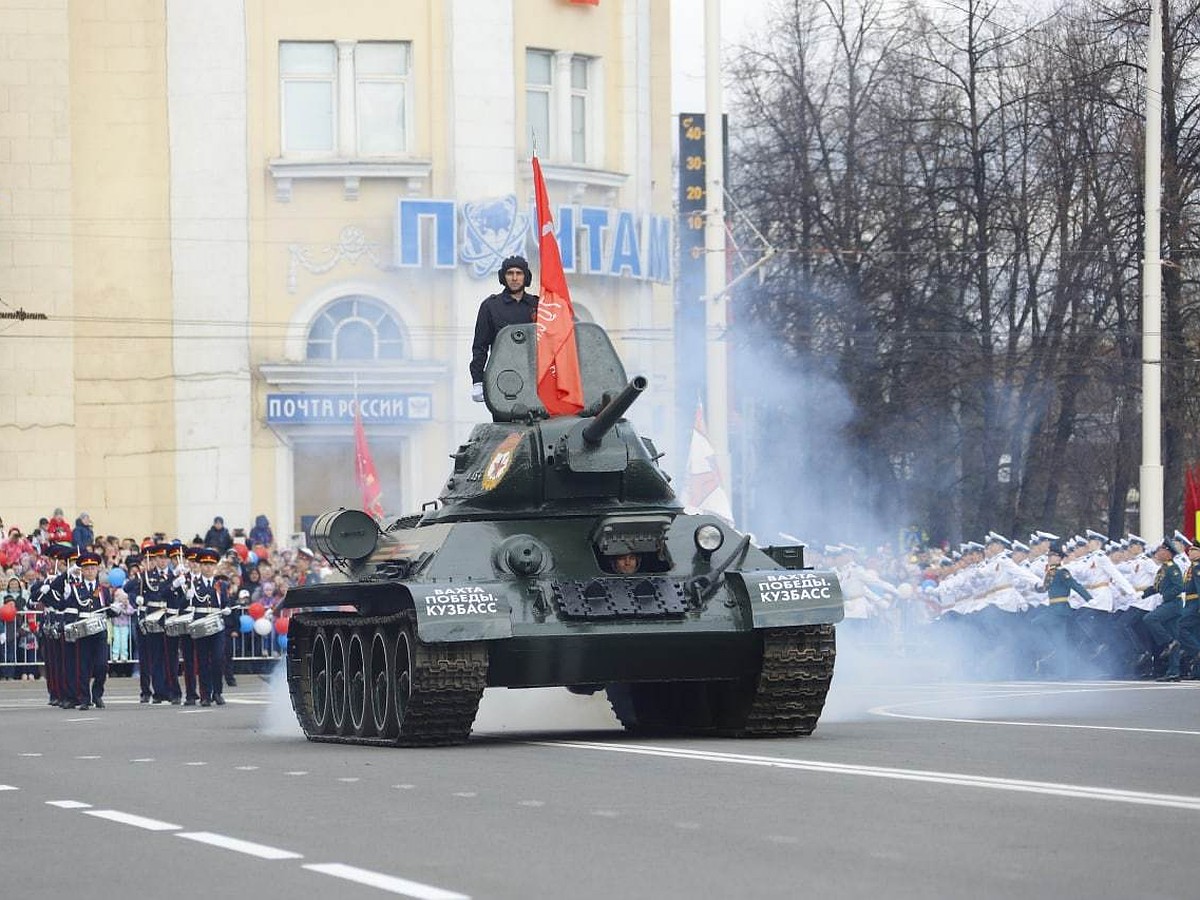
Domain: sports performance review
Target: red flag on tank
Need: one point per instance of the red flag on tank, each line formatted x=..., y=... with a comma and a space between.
x=558, y=383
x=364, y=469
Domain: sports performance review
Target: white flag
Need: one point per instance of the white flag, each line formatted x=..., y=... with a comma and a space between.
x=704, y=491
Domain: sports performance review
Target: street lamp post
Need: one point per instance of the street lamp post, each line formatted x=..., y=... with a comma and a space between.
x=1150, y=522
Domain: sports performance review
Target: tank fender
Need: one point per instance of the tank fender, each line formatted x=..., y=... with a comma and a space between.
x=779, y=598
x=474, y=611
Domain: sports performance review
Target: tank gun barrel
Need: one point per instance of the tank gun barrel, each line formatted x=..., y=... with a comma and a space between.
x=615, y=408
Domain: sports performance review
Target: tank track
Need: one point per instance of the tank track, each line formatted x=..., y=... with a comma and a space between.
x=448, y=681
x=797, y=669
x=784, y=699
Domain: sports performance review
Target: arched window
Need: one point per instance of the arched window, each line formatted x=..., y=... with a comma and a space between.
x=355, y=328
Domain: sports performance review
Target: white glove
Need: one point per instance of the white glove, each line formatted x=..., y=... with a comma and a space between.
x=477, y=392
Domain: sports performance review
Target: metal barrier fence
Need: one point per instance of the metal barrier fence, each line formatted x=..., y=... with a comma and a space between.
x=20, y=652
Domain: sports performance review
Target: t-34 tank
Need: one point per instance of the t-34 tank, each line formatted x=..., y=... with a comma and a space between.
x=557, y=554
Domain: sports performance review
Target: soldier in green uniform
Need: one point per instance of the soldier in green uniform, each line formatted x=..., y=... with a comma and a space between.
x=1052, y=622
x=1162, y=623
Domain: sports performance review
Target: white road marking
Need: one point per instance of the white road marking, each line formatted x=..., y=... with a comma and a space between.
x=295, y=773
x=143, y=759
x=86, y=719
x=238, y=846
x=31, y=754
x=246, y=768
x=196, y=764
x=605, y=813
x=386, y=882
x=465, y=794
x=1072, y=791
x=890, y=710
x=88, y=757
x=68, y=804
x=8, y=787
x=348, y=780
x=403, y=787
x=124, y=818
x=533, y=803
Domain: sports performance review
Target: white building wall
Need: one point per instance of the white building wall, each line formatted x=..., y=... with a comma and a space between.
x=206, y=87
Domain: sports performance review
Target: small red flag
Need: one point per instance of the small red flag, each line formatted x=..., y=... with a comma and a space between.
x=364, y=469
x=558, y=382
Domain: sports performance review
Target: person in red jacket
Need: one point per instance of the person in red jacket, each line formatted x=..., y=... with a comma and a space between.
x=12, y=549
x=59, y=529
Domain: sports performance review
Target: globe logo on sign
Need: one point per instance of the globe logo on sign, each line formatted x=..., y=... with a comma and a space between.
x=492, y=230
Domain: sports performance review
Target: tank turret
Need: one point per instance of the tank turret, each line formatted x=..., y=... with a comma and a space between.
x=557, y=554
x=524, y=461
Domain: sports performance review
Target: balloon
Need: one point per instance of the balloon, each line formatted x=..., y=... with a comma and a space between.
x=245, y=624
x=905, y=590
x=262, y=627
x=116, y=577
x=928, y=584
x=257, y=610
x=281, y=625
x=251, y=557
x=282, y=640
x=33, y=626
x=242, y=551
x=8, y=612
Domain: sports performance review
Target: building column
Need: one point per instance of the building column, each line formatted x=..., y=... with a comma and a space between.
x=209, y=202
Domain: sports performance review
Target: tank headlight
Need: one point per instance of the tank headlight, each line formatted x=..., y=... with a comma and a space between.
x=709, y=538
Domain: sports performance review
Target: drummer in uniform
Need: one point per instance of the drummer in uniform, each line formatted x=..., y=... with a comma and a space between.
x=210, y=597
x=175, y=604
x=90, y=600
x=50, y=595
x=67, y=612
x=185, y=576
x=153, y=589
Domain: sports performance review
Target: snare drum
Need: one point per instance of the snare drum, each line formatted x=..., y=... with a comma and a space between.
x=152, y=624
x=205, y=626
x=177, y=626
x=85, y=627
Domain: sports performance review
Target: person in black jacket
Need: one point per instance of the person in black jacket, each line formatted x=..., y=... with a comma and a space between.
x=218, y=537
x=514, y=305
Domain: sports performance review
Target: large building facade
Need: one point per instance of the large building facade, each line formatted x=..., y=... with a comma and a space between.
x=242, y=219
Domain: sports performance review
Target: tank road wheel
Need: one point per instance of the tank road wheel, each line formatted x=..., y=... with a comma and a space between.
x=402, y=693
x=337, y=682
x=318, y=677
x=437, y=689
x=381, y=683
x=358, y=693
x=788, y=694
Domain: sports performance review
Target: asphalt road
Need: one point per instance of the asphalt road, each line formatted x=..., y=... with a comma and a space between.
x=905, y=790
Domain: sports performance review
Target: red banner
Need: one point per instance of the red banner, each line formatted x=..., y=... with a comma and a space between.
x=364, y=470
x=1191, y=501
x=558, y=383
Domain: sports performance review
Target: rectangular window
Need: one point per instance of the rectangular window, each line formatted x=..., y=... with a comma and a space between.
x=579, y=109
x=372, y=82
x=539, y=81
x=308, y=78
x=382, y=73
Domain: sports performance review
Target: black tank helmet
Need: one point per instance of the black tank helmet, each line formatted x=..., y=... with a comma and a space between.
x=516, y=262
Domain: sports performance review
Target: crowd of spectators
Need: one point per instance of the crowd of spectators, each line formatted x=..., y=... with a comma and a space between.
x=257, y=568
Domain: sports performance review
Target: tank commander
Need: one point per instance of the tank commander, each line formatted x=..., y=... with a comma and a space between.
x=514, y=305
